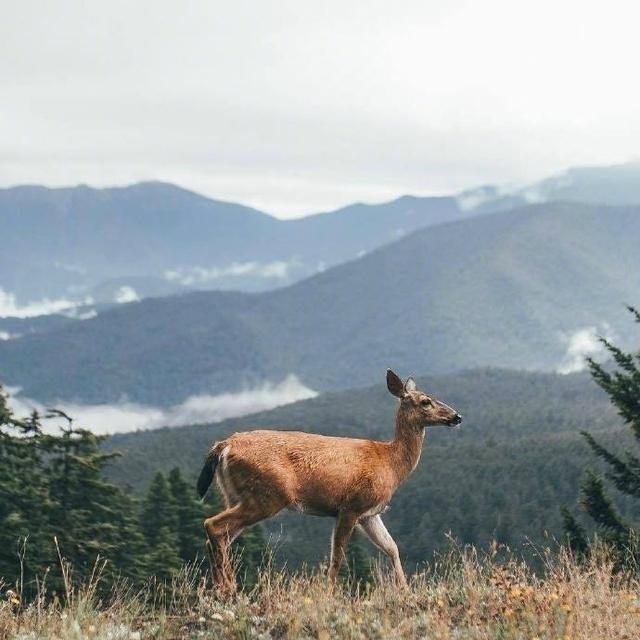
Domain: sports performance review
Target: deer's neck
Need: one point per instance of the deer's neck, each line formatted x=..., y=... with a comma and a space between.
x=406, y=447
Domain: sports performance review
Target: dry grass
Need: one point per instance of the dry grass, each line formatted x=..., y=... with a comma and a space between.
x=460, y=596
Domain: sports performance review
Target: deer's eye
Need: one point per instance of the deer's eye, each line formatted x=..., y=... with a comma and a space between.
x=426, y=403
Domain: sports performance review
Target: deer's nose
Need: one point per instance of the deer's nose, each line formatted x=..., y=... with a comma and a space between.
x=457, y=419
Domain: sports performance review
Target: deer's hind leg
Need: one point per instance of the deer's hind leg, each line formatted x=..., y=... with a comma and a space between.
x=229, y=502
x=222, y=529
x=248, y=500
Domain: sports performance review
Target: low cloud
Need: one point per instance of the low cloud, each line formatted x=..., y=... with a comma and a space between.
x=129, y=416
x=10, y=308
x=126, y=294
x=473, y=198
x=278, y=269
x=547, y=189
x=581, y=344
x=76, y=314
x=5, y=335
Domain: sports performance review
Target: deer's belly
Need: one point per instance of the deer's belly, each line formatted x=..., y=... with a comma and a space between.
x=313, y=509
x=332, y=511
x=376, y=510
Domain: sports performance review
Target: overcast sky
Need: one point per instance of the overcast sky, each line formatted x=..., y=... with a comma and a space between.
x=302, y=106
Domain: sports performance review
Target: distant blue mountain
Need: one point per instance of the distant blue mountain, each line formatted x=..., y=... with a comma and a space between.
x=158, y=239
x=155, y=239
x=617, y=184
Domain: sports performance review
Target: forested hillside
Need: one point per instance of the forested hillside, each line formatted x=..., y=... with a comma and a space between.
x=516, y=458
x=11, y=328
x=508, y=289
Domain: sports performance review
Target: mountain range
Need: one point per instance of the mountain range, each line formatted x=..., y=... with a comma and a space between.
x=80, y=245
x=617, y=184
x=509, y=289
x=83, y=244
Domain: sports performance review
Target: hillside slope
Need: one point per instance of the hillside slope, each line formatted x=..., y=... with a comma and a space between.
x=508, y=289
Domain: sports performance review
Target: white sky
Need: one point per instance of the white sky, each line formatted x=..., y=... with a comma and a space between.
x=301, y=106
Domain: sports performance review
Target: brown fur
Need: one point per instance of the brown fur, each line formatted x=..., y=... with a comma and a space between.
x=262, y=472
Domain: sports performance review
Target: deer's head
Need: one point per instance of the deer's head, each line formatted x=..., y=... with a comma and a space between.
x=422, y=408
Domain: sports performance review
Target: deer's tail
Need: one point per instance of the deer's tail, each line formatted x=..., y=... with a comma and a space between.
x=208, y=470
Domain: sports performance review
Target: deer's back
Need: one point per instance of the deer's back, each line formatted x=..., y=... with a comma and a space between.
x=309, y=472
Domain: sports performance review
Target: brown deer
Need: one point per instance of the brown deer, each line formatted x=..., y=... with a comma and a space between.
x=262, y=472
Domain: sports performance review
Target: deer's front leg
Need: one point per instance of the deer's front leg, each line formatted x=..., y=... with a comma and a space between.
x=378, y=534
x=345, y=523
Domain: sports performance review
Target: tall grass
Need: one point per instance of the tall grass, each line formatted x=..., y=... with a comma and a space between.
x=460, y=595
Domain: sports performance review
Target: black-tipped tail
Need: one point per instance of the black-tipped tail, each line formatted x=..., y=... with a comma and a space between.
x=206, y=475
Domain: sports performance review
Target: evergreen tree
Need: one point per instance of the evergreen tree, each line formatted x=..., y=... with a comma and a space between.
x=158, y=510
x=163, y=560
x=24, y=501
x=190, y=514
x=622, y=385
x=52, y=486
x=159, y=524
x=91, y=517
x=575, y=533
x=358, y=562
x=94, y=521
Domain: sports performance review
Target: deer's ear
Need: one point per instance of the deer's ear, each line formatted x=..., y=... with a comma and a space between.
x=394, y=384
x=410, y=385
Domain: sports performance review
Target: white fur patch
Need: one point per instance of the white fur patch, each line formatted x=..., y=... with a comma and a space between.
x=418, y=460
x=224, y=477
x=374, y=511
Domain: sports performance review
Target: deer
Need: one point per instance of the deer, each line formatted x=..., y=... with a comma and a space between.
x=260, y=473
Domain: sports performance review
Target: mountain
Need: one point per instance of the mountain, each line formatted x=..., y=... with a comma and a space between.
x=516, y=458
x=77, y=237
x=156, y=239
x=617, y=184
x=517, y=289
x=71, y=245
x=12, y=328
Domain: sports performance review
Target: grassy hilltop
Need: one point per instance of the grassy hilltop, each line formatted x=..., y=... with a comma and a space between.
x=461, y=597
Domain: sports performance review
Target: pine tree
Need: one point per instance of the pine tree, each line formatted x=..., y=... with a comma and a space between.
x=622, y=385
x=162, y=559
x=190, y=514
x=357, y=567
x=24, y=501
x=158, y=509
x=52, y=485
x=93, y=520
x=575, y=534
x=159, y=525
